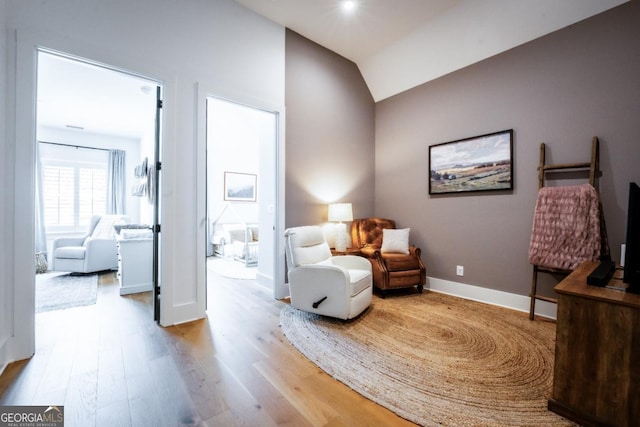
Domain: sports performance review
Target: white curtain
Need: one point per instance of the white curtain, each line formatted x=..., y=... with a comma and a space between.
x=41, y=234
x=116, y=183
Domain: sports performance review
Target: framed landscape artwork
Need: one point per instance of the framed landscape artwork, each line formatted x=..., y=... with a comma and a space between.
x=480, y=163
x=240, y=186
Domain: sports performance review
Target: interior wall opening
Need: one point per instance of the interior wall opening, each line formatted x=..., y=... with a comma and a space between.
x=241, y=190
x=95, y=142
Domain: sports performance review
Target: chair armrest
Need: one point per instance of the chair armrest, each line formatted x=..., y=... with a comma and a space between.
x=319, y=276
x=67, y=241
x=97, y=244
x=320, y=289
x=416, y=252
x=370, y=252
x=379, y=267
x=309, y=283
x=351, y=262
x=101, y=254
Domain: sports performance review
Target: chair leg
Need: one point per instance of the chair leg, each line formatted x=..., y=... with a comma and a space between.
x=534, y=286
x=420, y=288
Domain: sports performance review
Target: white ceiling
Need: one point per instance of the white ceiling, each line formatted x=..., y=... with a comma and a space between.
x=74, y=94
x=397, y=45
x=370, y=27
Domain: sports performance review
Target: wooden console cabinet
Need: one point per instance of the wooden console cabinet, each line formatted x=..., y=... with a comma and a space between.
x=596, y=379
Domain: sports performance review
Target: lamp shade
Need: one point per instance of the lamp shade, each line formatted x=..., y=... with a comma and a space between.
x=339, y=212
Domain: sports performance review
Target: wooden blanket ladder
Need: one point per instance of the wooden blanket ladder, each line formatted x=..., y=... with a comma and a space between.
x=593, y=166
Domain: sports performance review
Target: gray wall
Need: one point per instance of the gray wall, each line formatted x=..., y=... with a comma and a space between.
x=329, y=134
x=561, y=89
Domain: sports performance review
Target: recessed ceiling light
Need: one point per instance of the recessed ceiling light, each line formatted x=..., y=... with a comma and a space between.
x=349, y=5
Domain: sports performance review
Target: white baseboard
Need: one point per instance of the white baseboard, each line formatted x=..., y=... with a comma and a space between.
x=491, y=296
x=264, y=280
x=3, y=364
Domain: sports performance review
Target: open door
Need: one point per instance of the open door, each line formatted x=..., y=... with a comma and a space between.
x=154, y=192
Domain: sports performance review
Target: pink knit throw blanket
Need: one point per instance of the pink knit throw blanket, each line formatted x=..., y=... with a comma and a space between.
x=566, y=227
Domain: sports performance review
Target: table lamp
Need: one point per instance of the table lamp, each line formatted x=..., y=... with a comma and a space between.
x=339, y=212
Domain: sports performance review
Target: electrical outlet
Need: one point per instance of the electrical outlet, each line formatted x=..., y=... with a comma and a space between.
x=460, y=270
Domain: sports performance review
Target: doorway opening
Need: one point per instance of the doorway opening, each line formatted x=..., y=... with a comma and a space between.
x=241, y=143
x=97, y=142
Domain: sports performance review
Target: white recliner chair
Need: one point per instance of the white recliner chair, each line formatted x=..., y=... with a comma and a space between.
x=95, y=251
x=335, y=286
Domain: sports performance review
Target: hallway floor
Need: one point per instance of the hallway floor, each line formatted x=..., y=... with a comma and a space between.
x=110, y=365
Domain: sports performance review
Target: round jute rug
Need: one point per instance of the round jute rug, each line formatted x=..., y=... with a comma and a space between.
x=437, y=360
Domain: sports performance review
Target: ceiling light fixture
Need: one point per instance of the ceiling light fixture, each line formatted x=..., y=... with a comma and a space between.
x=349, y=5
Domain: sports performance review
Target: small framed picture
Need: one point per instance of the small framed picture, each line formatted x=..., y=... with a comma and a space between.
x=240, y=186
x=480, y=163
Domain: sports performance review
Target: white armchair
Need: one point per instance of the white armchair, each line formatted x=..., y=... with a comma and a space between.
x=95, y=251
x=335, y=286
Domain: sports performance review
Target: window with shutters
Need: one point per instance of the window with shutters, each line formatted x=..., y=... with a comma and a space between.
x=73, y=192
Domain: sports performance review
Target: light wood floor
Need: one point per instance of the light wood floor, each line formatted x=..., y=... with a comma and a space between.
x=110, y=365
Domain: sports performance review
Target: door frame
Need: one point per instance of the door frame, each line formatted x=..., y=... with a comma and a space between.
x=278, y=283
x=157, y=155
x=21, y=137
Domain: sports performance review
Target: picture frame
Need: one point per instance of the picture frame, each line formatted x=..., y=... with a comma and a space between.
x=240, y=187
x=479, y=163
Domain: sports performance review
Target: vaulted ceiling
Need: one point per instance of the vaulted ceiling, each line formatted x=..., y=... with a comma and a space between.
x=399, y=44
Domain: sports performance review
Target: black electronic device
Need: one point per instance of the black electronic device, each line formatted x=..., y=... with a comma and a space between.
x=632, y=251
x=601, y=275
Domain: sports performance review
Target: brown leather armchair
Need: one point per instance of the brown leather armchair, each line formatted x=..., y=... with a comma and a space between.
x=390, y=270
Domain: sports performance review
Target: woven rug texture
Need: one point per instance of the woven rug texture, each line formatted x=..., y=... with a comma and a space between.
x=58, y=291
x=437, y=360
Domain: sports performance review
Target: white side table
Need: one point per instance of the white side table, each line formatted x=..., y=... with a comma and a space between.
x=135, y=265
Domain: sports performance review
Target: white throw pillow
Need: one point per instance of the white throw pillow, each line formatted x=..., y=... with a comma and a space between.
x=395, y=240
